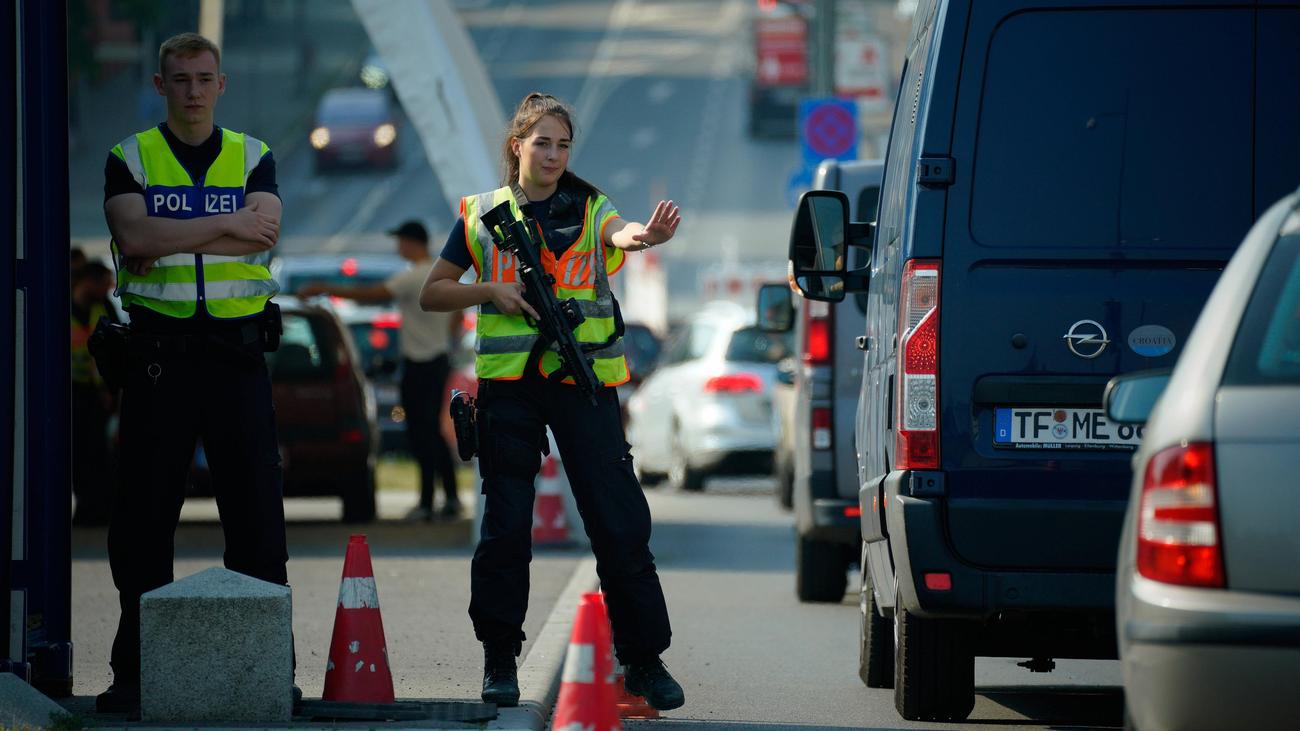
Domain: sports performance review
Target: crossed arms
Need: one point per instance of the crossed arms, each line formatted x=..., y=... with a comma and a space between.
x=143, y=239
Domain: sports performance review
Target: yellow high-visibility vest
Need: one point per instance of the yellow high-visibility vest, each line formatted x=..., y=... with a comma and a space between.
x=84, y=371
x=582, y=273
x=228, y=286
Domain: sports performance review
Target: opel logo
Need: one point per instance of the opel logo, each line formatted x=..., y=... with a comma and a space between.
x=1086, y=339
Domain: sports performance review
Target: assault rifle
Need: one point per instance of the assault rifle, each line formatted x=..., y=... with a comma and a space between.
x=558, y=319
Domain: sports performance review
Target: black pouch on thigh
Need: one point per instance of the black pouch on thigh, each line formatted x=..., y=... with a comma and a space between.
x=507, y=452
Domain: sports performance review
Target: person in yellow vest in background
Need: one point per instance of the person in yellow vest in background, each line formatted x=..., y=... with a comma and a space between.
x=194, y=211
x=92, y=401
x=584, y=242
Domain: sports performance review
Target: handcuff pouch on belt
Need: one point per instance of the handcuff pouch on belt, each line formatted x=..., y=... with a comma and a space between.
x=464, y=417
x=108, y=346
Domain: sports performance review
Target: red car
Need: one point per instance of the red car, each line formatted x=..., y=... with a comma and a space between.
x=355, y=126
x=324, y=411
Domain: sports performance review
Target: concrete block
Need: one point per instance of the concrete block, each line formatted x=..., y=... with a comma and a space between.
x=22, y=706
x=216, y=646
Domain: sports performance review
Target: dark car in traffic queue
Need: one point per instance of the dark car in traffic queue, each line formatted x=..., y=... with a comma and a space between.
x=355, y=126
x=374, y=328
x=642, y=347
x=818, y=463
x=324, y=412
x=1050, y=216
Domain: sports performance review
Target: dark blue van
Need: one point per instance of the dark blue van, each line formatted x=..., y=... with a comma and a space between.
x=1064, y=182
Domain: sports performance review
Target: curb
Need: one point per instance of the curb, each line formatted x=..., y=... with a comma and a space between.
x=539, y=675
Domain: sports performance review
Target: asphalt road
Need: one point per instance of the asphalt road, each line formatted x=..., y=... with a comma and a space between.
x=749, y=655
x=421, y=570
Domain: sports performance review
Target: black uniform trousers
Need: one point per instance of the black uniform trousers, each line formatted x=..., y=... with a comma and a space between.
x=175, y=393
x=424, y=389
x=512, y=420
x=91, y=457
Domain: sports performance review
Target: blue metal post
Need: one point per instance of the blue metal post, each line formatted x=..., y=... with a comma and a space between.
x=42, y=560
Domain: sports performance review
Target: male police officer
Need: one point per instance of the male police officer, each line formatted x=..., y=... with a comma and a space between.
x=194, y=210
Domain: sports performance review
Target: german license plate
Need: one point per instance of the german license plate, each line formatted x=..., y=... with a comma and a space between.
x=1061, y=428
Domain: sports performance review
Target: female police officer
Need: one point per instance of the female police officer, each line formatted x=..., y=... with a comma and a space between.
x=584, y=241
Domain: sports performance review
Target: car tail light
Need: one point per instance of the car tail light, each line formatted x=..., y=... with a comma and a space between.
x=734, y=383
x=349, y=267
x=821, y=428
x=917, y=395
x=818, y=319
x=353, y=436
x=388, y=320
x=1178, y=520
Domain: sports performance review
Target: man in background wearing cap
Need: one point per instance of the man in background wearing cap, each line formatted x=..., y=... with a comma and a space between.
x=426, y=339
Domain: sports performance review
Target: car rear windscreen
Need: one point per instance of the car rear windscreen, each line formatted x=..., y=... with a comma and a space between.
x=377, y=345
x=301, y=355
x=752, y=345
x=1116, y=128
x=1267, y=347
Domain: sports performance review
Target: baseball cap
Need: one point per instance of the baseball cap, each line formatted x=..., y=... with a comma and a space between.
x=411, y=230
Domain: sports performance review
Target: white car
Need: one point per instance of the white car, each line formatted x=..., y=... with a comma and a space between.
x=707, y=408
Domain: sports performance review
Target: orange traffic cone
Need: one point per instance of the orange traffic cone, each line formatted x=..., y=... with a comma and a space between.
x=358, y=670
x=586, y=701
x=550, y=526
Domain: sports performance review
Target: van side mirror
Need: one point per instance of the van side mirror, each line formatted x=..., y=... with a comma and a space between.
x=819, y=242
x=775, y=308
x=1130, y=397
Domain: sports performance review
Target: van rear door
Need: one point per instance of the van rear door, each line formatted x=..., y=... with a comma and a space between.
x=1104, y=175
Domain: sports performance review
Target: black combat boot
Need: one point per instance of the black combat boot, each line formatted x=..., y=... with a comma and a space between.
x=500, y=681
x=652, y=681
x=119, y=698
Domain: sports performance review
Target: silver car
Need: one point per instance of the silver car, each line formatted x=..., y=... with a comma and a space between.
x=707, y=408
x=1208, y=581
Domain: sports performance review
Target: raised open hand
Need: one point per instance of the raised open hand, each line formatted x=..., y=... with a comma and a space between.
x=661, y=226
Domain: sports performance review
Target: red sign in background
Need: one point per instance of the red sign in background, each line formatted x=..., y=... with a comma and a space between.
x=781, y=50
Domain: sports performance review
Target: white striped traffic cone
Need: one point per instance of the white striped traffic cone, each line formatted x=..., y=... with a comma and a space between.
x=358, y=670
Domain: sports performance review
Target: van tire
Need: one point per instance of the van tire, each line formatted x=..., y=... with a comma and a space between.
x=359, y=499
x=875, y=636
x=934, y=667
x=820, y=571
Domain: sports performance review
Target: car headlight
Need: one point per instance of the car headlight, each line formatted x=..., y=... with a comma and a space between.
x=385, y=134
x=320, y=137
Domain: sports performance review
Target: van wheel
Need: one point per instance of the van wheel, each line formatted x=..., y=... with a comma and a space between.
x=876, y=636
x=934, y=668
x=359, y=499
x=820, y=571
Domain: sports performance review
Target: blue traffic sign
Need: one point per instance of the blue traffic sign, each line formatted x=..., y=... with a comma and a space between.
x=828, y=130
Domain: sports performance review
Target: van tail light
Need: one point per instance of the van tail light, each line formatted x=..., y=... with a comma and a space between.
x=917, y=395
x=1178, y=520
x=819, y=319
x=734, y=383
x=821, y=428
